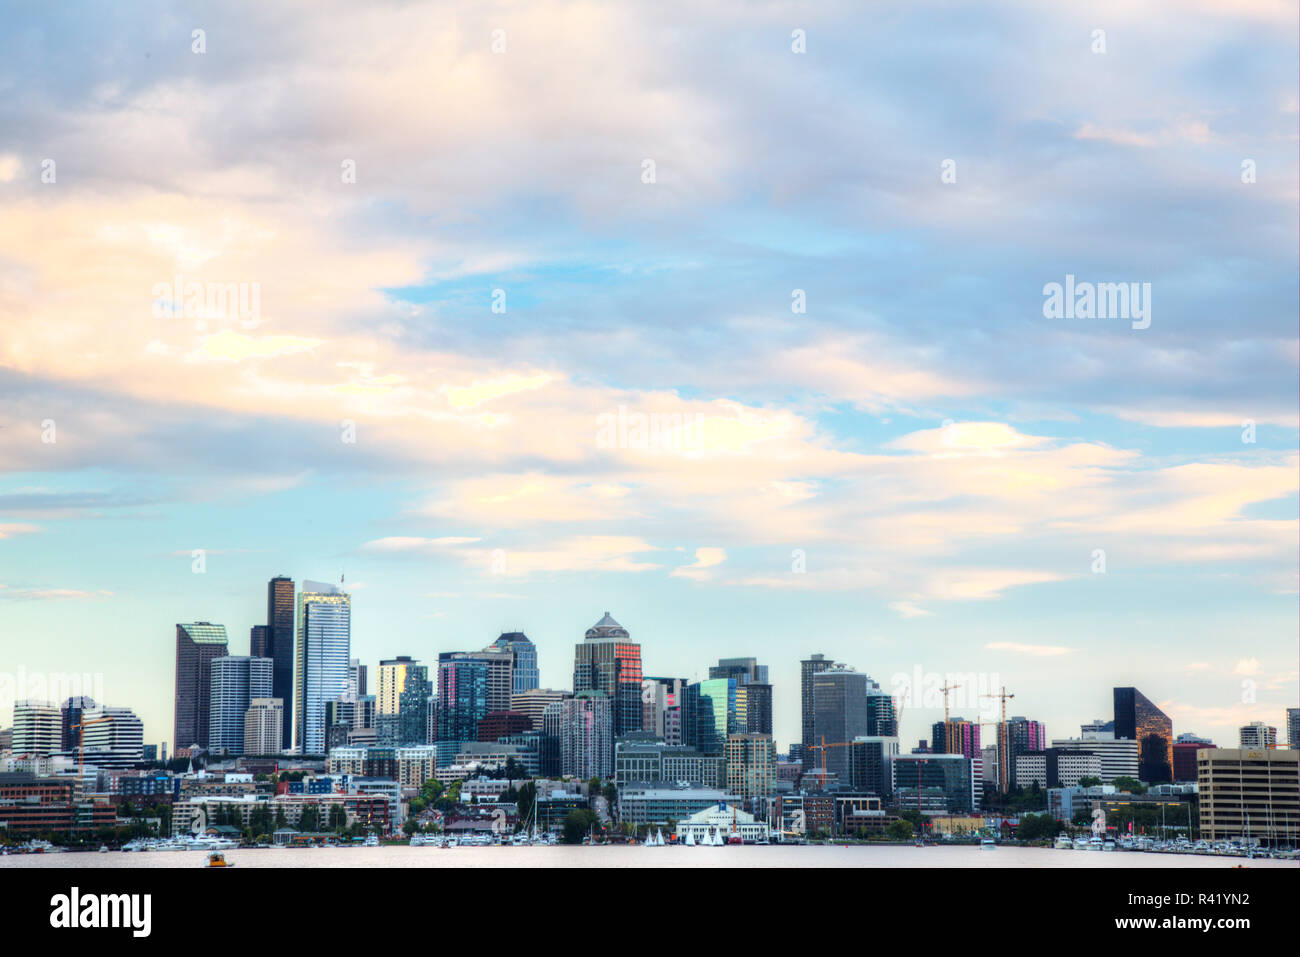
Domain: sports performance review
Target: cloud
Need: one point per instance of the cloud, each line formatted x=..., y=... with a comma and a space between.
x=705, y=558
x=1037, y=651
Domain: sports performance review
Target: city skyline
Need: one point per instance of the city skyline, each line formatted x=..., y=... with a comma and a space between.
x=760, y=342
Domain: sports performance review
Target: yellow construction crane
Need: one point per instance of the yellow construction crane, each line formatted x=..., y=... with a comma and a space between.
x=945, y=689
x=81, y=743
x=1003, y=770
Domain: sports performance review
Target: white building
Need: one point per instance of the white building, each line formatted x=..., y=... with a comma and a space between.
x=722, y=821
x=38, y=728
x=1119, y=758
x=322, y=660
x=236, y=680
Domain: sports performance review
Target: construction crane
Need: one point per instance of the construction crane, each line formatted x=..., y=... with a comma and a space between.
x=1003, y=770
x=945, y=689
x=81, y=743
x=823, y=748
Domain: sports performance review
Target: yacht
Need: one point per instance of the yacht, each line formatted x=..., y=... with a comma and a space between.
x=1080, y=843
x=1063, y=843
x=370, y=841
x=1095, y=844
x=1108, y=845
x=988, y=844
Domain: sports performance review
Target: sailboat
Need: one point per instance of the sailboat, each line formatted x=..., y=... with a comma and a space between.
x=690, y=837
x=659, y=838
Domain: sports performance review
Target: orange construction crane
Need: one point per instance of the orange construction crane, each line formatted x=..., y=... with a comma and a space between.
x=1003, y=770
x=81, y=743
x=822, y=748
x=945, y=689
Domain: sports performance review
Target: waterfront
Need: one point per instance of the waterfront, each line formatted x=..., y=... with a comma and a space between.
x=812, y=856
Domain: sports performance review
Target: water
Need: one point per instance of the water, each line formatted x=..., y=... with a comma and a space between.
x=623, y=856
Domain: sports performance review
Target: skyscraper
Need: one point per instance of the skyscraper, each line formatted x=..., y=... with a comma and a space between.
x=321, y=659
x=236, y=681
x=280, y=641
x=584, y=727
x=661, y=707
x=402, y=704
x=840, y=715
x=37, y=727
x=808, y=668
x=608, y=661
x=1293, y=727
x=956, y=736
x=259, y=642
x=114, y=737
x=1138, y=719
x=462, y=701
x=524, y=674
x=262, y=723
x=73, y=711
x=197, y=644
x=751, y=676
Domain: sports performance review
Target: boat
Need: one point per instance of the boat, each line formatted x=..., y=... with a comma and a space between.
x=1094, y=844
x=988, y=844
x=103, y=848
x=1063, y=843
x=370, y=841
x=1108, y=845
x=217, y=859
x=690, y=837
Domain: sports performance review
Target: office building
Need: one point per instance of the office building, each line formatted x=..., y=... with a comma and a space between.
x=1138, y=719
x=939, y=783
x=524, y=673
x=1017, y=736
x=641, y=756
x=1117, y=758
x=496, y=725
x=462, y=701
x=808, y=668
x=263, y=723
x=584, y=727
x=608, y=661
x=281, y=642
x=533, y=702
x=712, y=709
x=236, y=681
x=752, y=677
x=867, y=767
x=113, y=738
x=197, y=644
x=1185, y=748
x=1249, y=794
x=402, y=704
x=840, y=714
x=1293, y=727
x=322, y=656
x=751, y=765
x=1257, y=735
x=259, y=642
x=71, y=714
x=661, y=708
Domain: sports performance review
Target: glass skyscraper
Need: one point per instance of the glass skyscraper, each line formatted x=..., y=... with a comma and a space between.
x=236, y=681
x=1138, y=719
x=197, y=644
x=279, y=647
x=322, y=656
x=607, y=660
x=524, y=674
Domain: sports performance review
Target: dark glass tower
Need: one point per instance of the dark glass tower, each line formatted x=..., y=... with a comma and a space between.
x=840, y=714
x=1137, y=719
x=280, y=648
x=196, y=645
x=752, y=677
x=808, y=668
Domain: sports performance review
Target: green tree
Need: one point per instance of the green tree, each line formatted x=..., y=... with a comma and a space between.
x=899, y=831
x=1131, y=785
x=577, y=825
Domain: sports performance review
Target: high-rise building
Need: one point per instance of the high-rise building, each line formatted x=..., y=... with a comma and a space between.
x=72, y=713
x=38, y=728
x=867, y=765
x=956, y=736
x=496, y=725
x=403, y=702
x=197, y=644
x=524, y=674
x=1119, y=757
x=262, y=723
x=322, y=656
x=1017, y=736
x=114, y=738
x=607, y=660
x=281, y=641
x=713, y=710
x=1293, y=727
x=259, y=642
x=1258, y=735
x=840, y=715
x=584, y=727
x=751, y=765
x=1138, y=719
x=935, y=783
x=1249, y=794
x=236, y=681
x=357, y=678
x=808, y=668
x=533, y=702
x=661, y=708
x=462, y=701
x=753, y=678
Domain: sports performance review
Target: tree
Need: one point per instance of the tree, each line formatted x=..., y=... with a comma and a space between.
x=1131, y=785
x=577, y=825
x=899, y=831
x=1089, y=782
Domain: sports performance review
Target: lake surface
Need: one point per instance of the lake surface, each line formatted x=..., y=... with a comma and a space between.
x=620, y=856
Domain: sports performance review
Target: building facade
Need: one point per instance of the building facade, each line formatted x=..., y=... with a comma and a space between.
x=197, y=645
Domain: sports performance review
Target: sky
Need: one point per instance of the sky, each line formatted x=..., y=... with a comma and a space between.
x=729, y=319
